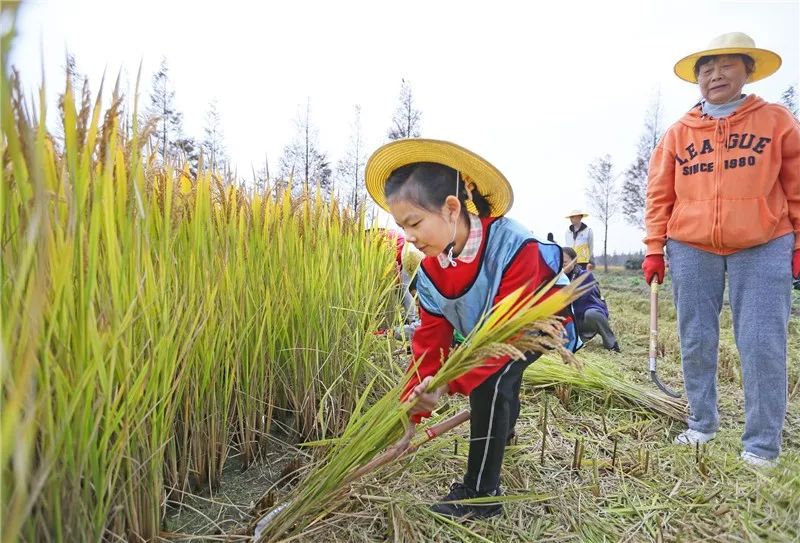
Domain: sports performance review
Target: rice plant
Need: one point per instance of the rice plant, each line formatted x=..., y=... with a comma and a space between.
x=155, y=323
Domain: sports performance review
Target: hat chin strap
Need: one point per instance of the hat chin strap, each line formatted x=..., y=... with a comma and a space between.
x=452, y=245
x=449, y=249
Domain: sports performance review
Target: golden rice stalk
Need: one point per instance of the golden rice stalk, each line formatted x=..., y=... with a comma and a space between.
x=512, y=327
x=599, y=375
x=154, y=321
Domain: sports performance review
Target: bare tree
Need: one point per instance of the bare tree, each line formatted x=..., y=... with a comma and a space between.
x=603, y=198
x=162, y=108
x=261, y=179
x=213, y=139
x=350, y=169
x=789, y=99
x=79, y=85
x=77, y=79
x=302, y=157
x=406, y=119
x=188, y=152
x=634, y=188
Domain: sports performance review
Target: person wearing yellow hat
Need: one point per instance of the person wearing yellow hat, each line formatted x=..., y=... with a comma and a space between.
x=581, y=238
x=406, y=262
x=450, y=202
x=723, y=199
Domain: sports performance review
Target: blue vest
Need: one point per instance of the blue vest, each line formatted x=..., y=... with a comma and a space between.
x=505, y=238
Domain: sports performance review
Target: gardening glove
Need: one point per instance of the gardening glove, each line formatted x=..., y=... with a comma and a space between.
x=426, y=400
x=796, y=264
x=653, y=267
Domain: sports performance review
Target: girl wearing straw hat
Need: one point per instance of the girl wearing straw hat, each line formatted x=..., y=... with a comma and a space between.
x=581, y=238
x=723, y=198
x=450, y=203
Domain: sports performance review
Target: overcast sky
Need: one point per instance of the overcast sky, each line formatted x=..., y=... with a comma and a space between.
x=538, y=89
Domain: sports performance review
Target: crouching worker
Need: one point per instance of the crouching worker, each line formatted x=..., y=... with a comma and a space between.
x=590, y=310
x=450, y=202
x=408, y=260
x=405, y=266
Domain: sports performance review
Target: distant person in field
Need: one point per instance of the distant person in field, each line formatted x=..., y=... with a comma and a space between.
x=590, y=310
x=409, y=306
x=723, y=198
x=408, y=259
x=450, y=202
x=406, y=273
x=581, y=238
x=404, y=278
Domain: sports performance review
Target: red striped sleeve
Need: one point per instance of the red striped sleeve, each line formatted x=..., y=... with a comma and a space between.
x=430, y=345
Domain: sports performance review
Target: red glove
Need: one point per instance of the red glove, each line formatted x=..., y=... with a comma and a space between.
x=796, y=264
x=653, y=266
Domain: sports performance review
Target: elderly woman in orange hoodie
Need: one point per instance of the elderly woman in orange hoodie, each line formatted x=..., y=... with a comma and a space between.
x=723, y=197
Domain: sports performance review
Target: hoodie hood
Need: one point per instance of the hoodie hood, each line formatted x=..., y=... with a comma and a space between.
x=695, y=118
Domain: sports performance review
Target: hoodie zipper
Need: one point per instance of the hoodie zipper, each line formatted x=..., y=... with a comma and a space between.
x=721, y=139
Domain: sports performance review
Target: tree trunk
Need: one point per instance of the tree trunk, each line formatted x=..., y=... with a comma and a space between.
x=307, y=168
x=605, y=248
x=408, y=117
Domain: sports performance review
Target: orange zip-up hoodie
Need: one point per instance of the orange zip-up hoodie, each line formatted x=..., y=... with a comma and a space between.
x=723, y=185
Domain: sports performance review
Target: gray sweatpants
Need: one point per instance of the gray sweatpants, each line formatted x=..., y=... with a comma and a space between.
x=595, y=322
x=759, y=285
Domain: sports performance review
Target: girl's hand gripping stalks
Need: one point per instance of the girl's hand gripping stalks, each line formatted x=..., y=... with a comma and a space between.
x=426, y=400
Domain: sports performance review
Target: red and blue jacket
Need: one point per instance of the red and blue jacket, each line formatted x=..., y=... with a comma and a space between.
x=456, y=297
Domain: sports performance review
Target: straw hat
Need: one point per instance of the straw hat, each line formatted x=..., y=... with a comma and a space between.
x=474, y=169
x=574, y=212
x=732, y=43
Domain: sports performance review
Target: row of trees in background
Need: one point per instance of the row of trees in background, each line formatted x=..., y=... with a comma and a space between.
x=302, y=165
x=172, y=142
x=607, y=196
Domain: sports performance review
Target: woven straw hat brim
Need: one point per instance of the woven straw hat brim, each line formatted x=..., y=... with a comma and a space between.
x=767, y=62
x=488, y=180
x=576, y=212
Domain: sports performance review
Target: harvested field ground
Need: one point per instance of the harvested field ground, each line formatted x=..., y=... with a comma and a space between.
x=629, y=484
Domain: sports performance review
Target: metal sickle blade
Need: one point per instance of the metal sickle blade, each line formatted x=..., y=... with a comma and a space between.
x=665, y=389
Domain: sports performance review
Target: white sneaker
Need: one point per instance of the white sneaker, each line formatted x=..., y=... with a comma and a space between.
x=758, y=461
x=693, y=437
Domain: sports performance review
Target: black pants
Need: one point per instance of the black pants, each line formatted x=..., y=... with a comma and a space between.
x=494, y=405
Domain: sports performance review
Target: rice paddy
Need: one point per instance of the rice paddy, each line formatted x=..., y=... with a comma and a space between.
x=156, y=323
x=180, y=356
